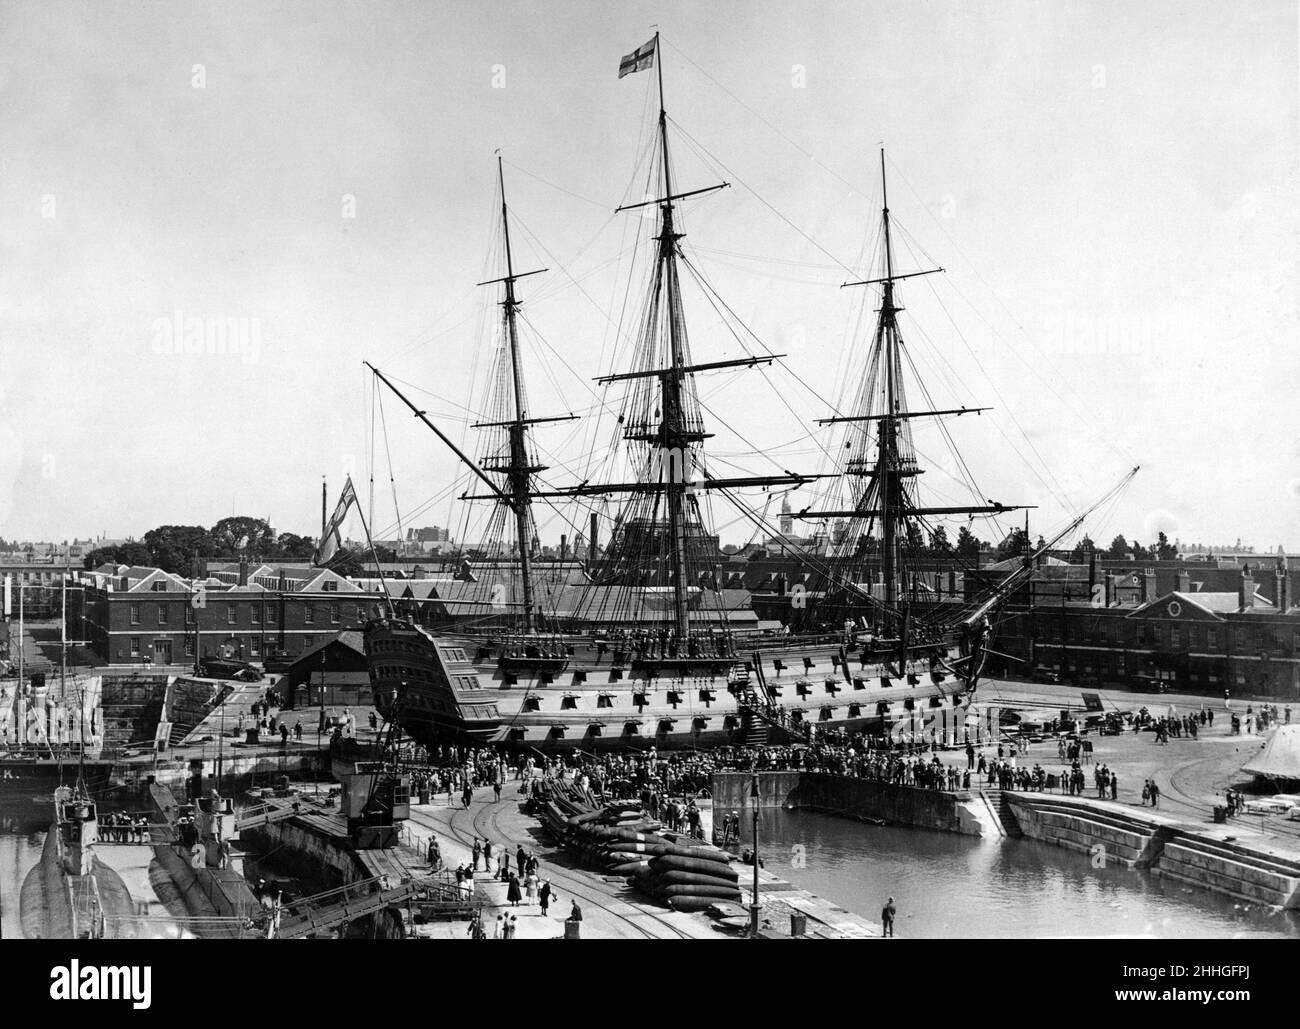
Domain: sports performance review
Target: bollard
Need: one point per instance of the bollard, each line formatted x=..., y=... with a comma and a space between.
x=572, y=929
x=798, y=924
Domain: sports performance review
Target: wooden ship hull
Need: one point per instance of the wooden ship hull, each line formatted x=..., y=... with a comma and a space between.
x=567, y=693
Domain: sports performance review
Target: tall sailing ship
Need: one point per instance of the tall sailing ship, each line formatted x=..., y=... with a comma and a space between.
x=642, y=652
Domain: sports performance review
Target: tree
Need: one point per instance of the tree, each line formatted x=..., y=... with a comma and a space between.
x=1165, y=551
x=131, y=553
x=939, y=540
x=173, y=547
x=1014, y=545
x=242, y=536
x=1118, y=547
x=967, y=545
x=914, y=540
x=291, y=547
x=1084, y=549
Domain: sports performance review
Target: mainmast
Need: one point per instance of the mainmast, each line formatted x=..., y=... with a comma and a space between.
x=674, y=438
x=518, y=470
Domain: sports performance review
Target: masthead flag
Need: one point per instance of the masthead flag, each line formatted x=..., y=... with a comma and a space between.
x=638, y=60
x=332, y=541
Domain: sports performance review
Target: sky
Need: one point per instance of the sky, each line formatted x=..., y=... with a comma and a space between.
x=1112, y=190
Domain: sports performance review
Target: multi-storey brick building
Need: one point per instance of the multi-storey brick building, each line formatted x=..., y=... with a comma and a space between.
x=1121, y=630
x=137, y=615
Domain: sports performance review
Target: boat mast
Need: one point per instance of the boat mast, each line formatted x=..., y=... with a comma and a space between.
x=518, y=471
x=887, y=465
x=674, y=439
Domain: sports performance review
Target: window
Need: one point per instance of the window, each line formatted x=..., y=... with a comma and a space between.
x=569, y=704
x=334, y=613
x=189, y=646
x=308, y=615
x=330, y=586
x=135, y=646
x=604, y=700
x=230, y=614
x=162, y=614
x=1212, y=639
x=255, y=647
x=158, y=586
x=306, y=642
x=135, y=614
x=256, y=615
x=272, y=615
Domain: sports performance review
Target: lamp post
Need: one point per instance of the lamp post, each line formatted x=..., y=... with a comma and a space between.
x=753, y=907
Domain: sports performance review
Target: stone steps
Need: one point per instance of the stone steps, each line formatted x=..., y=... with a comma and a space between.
x=1226, y=869
x=1083, y=829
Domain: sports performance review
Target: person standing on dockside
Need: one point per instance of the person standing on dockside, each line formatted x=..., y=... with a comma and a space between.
x=887, y=914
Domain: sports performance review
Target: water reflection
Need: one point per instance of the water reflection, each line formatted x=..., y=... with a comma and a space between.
x=949, y=886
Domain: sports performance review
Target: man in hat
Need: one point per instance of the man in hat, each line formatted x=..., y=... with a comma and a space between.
x=887, y=914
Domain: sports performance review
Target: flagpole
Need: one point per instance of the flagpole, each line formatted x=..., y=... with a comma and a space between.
x=388, y=599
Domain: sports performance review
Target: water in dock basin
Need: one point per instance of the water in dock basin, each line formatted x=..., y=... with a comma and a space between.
x=950, y=886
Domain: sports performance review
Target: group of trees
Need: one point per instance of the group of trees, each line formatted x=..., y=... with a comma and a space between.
x=1160, y=550
x=173, y=548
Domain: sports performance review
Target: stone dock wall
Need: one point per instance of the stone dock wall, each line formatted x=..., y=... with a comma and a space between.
x=1207, y=857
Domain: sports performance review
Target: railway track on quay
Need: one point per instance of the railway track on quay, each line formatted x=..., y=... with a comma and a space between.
x=484, y=823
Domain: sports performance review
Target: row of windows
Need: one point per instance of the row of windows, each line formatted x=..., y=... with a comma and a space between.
x=1176, y=637
x=334, y=613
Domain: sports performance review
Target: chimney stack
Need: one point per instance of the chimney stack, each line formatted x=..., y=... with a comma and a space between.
x=1246, y=593
x=1184, y=581
x=1148, y=585
x=243, y=571
x=1110, y=598
x=1282, y=595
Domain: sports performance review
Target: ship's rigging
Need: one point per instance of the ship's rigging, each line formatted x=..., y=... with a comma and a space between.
x=657, y=569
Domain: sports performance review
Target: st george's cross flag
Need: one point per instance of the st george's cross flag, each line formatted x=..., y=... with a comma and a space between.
x=332, y=541
x=638, y=60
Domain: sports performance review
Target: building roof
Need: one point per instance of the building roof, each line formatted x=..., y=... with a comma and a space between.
x=349, y=638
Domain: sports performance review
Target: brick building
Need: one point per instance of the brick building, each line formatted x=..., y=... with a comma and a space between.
x=137, y=615
x=1123, y=630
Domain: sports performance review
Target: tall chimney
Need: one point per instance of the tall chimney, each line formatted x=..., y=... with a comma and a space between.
x=243, y=571
x=1110, y=590
x=1246, y=592
x=1282, y=594
x=1148, y=585
x=1184, y=581
x=322, y=507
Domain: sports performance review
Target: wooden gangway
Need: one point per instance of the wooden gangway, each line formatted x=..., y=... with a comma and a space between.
x=266, y=813
x=332, y=908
